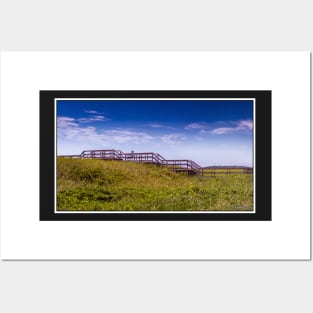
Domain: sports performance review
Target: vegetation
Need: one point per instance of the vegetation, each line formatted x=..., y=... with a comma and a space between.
x=96, y=185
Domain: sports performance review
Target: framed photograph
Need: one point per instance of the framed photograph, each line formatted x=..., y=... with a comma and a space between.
x=155, y=155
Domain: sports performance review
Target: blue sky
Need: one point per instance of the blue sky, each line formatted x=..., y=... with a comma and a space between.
x=210, y=132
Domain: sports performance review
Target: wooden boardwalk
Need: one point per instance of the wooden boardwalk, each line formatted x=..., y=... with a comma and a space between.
x=183, y=166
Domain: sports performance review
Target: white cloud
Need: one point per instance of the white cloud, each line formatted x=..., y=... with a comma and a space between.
x=71, y=132
x=242, y=126
x=157, y=125
x=248, y=124
x=95, y=118
x=172, y=139
x=92, y=112
x=205, y=128
x=125, y=136
x=196, y=126
x=63, y=121
x=222, y=130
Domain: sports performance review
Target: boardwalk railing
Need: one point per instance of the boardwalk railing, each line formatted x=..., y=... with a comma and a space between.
x=144, y=157
x=186, y=166
x=102, y=154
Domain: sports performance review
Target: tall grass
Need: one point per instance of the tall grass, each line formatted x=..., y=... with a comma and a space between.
x=96, y=185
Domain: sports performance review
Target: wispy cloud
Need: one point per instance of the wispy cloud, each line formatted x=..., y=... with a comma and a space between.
x=246, y=124
x=92, y=112
x=241, y=126
x=95, y=118
x=157, y=125
x=220, y=131
x=225, y=127
x=63, y=121
x=172, y=139
x=69, y=130
x=125, y=136
x=196, y=126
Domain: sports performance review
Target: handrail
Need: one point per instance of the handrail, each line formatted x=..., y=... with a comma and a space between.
x=184, y=165
x=188, y=166
x=102, y=154
x=147, y=157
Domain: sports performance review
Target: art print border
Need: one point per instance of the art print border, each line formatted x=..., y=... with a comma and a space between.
x=262, y=170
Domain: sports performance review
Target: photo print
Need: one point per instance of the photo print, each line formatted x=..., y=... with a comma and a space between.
x=155, y=155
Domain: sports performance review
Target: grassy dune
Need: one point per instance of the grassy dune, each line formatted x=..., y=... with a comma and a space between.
x=95, y=185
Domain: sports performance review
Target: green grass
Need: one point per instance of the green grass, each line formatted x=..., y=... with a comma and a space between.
x=95, y=185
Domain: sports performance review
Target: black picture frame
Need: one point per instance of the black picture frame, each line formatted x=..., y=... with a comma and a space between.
x=262, y=155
